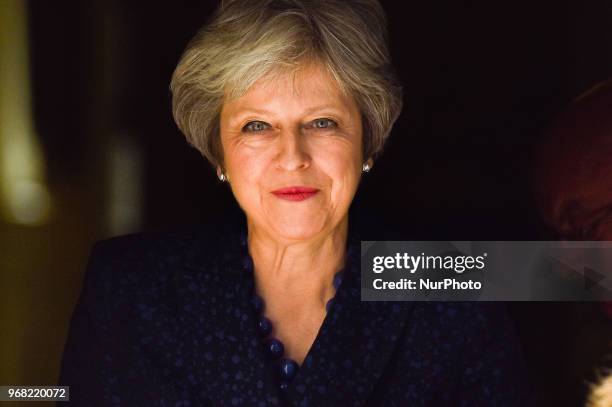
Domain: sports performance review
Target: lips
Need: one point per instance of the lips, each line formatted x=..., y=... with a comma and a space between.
x=297, y=193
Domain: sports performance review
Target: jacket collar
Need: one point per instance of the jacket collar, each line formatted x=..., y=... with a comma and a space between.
x=347, y=358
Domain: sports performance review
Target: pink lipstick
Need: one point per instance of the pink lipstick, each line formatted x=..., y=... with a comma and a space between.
x=295, y=193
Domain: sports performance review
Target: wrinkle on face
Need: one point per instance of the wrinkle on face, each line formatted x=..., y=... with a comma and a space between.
x=293, y=152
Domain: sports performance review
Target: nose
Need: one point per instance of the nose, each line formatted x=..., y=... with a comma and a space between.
x=292, y=151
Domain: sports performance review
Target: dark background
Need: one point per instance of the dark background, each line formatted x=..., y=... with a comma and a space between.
x=481, y=81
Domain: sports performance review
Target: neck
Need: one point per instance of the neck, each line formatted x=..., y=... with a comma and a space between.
x=300, y=268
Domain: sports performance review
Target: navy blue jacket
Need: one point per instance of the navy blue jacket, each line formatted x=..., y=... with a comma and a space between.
x=166, y=320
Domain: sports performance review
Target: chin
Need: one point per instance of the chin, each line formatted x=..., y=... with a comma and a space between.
x=298, y=227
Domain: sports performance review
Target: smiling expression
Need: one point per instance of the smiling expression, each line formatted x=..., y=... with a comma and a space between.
x=292, y=149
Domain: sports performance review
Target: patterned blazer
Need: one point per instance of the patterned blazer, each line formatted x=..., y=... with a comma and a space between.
x=166, y=320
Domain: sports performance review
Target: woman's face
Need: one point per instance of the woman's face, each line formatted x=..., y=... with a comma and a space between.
x=292, y=153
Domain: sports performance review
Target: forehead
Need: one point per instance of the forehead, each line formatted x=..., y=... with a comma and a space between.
x=309, y=85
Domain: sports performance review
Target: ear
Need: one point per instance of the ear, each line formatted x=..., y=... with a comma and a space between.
x=225, y=175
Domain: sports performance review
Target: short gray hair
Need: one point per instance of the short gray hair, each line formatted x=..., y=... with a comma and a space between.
x=248, y=39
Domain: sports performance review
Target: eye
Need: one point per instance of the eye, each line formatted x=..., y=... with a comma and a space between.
x=323, y=123
x=255, y=127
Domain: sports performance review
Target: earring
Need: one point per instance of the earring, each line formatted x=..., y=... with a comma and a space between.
x=366, y=167
x=222, y=177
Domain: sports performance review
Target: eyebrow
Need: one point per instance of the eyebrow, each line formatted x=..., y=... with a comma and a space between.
x=307, y=111
x=323, y=107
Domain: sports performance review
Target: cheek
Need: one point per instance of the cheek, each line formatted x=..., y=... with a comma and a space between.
x=245, y=171
x=343, y=167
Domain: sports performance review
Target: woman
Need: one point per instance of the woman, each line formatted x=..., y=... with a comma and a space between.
x=290, y=101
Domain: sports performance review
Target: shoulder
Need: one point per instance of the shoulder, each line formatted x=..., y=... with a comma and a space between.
x=481, y=338
x=463, y=314
x=467, y=329
x=468, y=348
x=141, y=282
x=130, y=305
x=135, y=251
x=465, y=333
x=462, y=326
x=195, y=246
x=150, y=266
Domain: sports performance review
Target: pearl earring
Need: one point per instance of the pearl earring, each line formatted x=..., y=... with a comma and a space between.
x=222, y=177
x=366, y=167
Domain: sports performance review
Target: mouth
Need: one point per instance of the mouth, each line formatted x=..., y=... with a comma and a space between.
x=295, y=193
